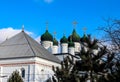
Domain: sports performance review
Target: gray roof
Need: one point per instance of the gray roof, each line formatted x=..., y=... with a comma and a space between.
x=22, y=46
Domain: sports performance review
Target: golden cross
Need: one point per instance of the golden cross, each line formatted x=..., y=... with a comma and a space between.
x=84, y=29
x=74, y=24
x=47, y=25
x=54, y=34
x=64, y=33
x=22, y=28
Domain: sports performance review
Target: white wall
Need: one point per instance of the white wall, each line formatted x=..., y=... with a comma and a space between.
x=36, y=69
x=71, y=50
x=64, y=48
x=77, y=47
x=47, y=45
x=55, y=49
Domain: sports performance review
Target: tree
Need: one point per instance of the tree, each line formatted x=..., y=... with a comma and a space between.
x=112, y=38
x=112, y=33
x=91, y=63
x=89, y=66
x=67, y=72
x=15, y=77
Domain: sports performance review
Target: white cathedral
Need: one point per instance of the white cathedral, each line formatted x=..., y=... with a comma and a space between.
x=68, y=46
x=34, y=60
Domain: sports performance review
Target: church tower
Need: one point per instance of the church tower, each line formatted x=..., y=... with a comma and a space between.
x=55, y=45
x=64, y=44
x=47, y=40
x=76, y=39
x=84, y=39
x=71, y=47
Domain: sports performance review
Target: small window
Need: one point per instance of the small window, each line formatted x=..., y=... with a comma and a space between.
x=23, y=72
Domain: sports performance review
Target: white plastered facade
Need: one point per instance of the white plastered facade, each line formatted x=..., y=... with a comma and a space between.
x=36, y=69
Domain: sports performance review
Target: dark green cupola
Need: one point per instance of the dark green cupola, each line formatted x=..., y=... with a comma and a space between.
x=46, y=36
x=75, y=36
x=64, y=39
x=71, y=43
x=84, y=38
x=55, y=42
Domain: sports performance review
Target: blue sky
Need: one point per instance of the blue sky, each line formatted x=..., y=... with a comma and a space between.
x=59, y=13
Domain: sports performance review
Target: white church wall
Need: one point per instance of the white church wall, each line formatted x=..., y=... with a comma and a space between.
x=47, y=45
x=64, y=48
x=36, y=69
x=71, y=50
x=44, y=69
x=30, y=75
x=10, y=65
x=8, y=70
x=55, y=49
x=77, y=47
x=46, y=62
x=43, y=72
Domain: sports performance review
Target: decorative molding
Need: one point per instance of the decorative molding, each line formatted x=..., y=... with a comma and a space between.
x=16, y=64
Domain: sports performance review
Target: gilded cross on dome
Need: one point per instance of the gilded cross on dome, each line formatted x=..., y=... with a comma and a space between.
x=64, y=33
x=22, y=28
x=74, y=24
x=47, y=25
x=54, y=34
x=84, y=29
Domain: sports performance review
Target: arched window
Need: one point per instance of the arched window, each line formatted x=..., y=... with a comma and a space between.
x=23, y=72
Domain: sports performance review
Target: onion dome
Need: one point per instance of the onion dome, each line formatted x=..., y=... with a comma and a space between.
x=71, y=43
x=55, y=42
x=64, y=39
x=46, y=36
x=84, y=38
x=75, y=36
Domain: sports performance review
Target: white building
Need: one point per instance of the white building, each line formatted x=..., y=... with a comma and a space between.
x=68, y=46
x=34, y=61
x=24, y=54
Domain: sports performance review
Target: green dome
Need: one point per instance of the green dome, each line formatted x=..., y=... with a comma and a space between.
x=75, y=37
x=64, y=39
x=71, y=44
x=55, y=42
x=46, y=36
x=84, y=38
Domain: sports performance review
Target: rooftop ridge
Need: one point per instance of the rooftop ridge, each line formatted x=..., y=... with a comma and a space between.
x=29, y=43
x=22, y=45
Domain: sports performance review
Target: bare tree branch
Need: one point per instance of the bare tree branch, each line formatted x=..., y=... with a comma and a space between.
x=112, y=33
